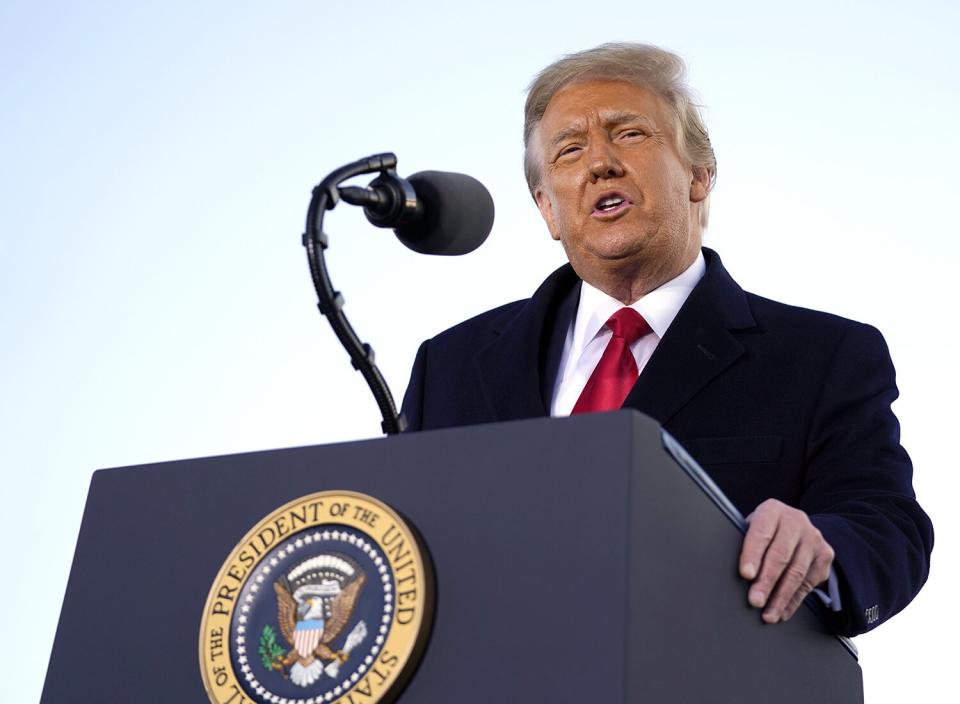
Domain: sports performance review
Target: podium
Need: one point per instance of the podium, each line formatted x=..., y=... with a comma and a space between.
x=584, y=559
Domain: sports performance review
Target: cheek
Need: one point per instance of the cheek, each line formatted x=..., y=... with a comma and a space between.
x=568, y=200
x=547, y=205
x=555, y=206
x=566, y=219
x=667, y=193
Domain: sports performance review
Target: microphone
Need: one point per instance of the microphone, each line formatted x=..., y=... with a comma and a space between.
x=432, y=212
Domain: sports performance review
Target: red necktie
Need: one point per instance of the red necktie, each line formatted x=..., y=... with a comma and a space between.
x=616, y=373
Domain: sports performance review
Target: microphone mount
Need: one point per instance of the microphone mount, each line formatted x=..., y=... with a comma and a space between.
x=388, y=199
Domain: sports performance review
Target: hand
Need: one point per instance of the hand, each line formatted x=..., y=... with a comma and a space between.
x=785, y=556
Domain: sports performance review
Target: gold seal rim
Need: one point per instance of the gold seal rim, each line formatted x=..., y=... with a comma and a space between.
x=410, y=641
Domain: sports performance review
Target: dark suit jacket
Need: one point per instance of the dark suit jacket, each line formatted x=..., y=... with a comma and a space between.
x=773, y=401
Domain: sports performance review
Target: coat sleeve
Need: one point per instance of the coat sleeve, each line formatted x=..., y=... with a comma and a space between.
x=859, y=491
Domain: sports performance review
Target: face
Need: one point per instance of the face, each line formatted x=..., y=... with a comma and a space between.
x=614, y=190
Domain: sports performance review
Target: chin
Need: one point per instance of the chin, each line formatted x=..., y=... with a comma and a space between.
x=620, y=250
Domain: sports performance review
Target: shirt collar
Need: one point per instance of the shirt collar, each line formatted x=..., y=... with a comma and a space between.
x=658, y=308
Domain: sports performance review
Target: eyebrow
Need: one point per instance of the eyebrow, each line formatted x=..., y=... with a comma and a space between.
x=566, y=133
x=611, y=119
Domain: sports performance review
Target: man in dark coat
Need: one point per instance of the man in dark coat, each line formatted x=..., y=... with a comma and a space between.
x=787, y=409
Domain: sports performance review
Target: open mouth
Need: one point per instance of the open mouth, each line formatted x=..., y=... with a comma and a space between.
x=610, y=204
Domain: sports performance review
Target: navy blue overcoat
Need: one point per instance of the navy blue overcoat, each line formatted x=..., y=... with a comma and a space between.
x=774, y=401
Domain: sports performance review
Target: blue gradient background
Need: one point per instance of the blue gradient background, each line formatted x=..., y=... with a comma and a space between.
x=155, y=166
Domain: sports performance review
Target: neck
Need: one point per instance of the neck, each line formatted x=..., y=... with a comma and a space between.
x=629, y=284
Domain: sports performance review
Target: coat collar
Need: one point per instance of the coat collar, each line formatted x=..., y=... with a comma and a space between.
x=697, y=347
x=518, y=368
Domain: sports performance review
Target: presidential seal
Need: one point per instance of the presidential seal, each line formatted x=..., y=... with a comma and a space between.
x=327, y=599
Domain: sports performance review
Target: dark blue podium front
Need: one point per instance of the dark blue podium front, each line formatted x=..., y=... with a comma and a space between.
x=575, y=559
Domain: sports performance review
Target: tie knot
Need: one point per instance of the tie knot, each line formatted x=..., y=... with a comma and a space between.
x=628, y=324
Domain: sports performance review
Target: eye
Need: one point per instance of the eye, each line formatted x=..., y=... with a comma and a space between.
x=568, y=149
x=632, y=133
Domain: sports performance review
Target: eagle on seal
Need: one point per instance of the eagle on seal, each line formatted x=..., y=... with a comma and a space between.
x=315, y=602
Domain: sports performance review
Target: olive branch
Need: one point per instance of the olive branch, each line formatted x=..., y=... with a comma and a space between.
x=271, y=652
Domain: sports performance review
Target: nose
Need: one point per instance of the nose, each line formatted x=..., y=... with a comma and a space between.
x=604, y=163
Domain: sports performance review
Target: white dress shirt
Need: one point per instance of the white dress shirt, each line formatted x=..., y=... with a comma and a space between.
x=588, y=335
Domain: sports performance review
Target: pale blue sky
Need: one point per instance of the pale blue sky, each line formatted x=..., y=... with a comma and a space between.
x=157, y=161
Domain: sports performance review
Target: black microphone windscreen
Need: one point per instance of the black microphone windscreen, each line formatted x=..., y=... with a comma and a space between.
x=457, y=217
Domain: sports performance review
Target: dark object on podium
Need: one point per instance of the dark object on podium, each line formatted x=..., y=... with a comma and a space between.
x=576, y=560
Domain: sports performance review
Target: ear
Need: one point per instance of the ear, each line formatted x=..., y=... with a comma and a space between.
x=545, y=205
x=699, y=185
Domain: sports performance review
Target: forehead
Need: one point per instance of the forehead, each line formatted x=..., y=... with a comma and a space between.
x=599, y=101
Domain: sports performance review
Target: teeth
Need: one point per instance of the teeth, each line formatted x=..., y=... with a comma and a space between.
x=609, y=203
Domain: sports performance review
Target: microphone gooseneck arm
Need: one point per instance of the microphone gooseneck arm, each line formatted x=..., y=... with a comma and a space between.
x=325, y=197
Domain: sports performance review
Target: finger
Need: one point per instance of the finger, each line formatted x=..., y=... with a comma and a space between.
x=818, y=574
x=793, y=586
x=795, y=601
x=778, y=556
x=790, y=609
x=762, y=528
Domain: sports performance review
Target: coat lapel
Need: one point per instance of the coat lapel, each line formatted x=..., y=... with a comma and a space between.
x=517, y=369
x=512, y=366
x=697, y=346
